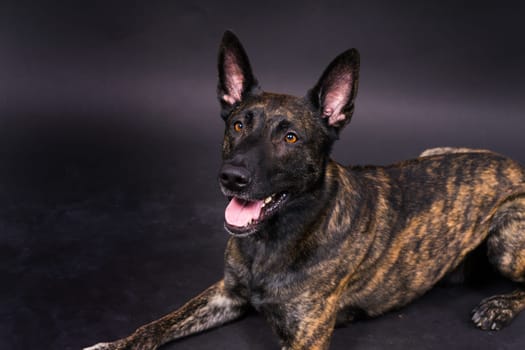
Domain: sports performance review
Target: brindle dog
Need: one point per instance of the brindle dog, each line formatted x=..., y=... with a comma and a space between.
x=314, y=243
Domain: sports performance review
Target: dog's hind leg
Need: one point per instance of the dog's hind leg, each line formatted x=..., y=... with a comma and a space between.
x=506, y=251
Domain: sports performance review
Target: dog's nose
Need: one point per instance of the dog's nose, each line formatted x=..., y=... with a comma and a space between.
x=234, y=178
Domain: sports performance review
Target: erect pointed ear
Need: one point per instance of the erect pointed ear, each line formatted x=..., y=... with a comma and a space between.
x=236, y=80
x=333, y=95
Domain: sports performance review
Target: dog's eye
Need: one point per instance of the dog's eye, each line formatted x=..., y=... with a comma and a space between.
x=238, y=126
x=291, y=137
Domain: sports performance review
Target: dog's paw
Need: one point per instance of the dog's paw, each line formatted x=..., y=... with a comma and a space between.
x=494, y=313
x=129, y=343
x=101, y=346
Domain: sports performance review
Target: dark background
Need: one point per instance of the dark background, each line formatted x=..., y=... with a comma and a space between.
x=110, y=214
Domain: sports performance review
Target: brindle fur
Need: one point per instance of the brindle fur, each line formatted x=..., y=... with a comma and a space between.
x=349, y=240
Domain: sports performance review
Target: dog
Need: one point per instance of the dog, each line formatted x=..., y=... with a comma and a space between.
x=315, y=244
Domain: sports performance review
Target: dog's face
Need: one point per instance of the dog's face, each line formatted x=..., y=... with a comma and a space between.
x=276, y=146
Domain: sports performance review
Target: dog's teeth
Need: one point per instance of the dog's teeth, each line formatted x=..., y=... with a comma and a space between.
x=268, y=199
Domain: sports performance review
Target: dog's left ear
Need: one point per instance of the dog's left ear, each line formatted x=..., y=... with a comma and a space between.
x=334, y=94
x=236, y=79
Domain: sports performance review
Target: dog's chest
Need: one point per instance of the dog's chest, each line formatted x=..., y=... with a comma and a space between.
x=261, y=275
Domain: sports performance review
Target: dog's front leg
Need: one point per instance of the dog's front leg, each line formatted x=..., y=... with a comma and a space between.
x=313, y=334
x=305, y=324
x=213, y=307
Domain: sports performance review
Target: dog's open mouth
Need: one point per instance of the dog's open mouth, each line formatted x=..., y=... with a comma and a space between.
x=243, y=217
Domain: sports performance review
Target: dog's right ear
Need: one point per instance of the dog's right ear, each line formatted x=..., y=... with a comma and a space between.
x=236, y=80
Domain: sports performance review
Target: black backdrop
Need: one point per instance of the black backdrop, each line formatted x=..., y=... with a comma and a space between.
x=110, y=215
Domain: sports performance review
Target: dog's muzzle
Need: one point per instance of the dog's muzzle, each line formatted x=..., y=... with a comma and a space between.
x=234, y=178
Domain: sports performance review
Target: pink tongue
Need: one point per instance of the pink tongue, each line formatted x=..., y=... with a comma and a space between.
x=240, y=213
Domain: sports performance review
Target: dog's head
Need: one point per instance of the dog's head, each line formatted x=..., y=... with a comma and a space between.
x=276, y=146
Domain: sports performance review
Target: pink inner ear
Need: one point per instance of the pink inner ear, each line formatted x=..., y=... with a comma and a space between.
x=337, y=96
x=234, y=79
